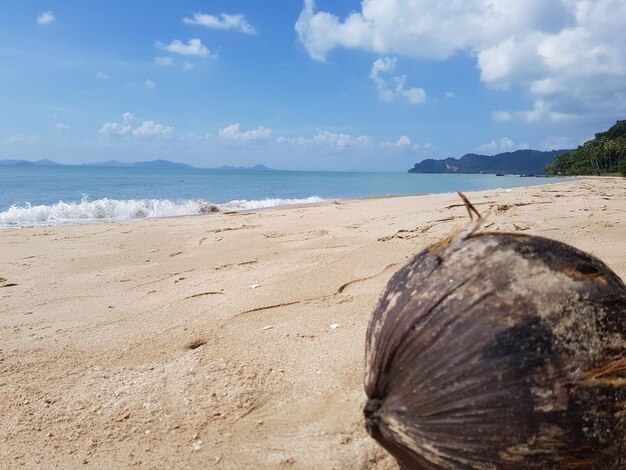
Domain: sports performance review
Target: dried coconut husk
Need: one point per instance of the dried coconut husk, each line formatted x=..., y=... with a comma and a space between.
x=499, y=350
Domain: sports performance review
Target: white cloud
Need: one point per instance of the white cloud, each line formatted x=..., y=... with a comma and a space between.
x=321, y=32
x=392, y=88
x=234, y=133
x=423, y=29
x=450, y=95
x=403, y=142
x=341, y=140
x=187, y=66
x=102, y=76
x=509, y=61
x=561, y=142
x=125, y=129
x=149, y=85
x=163, y=61
x=118, y=129
x=567, y=53
x=62, y=127
x=236, y=22
x=194, y=47
x=503, y=145
x=330, y=139
x=46, y=18
x=541, y=112
x=152, y=129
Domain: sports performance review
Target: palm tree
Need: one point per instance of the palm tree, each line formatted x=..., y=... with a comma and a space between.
x=595, y=152
x=610, y=149
x=621, y=151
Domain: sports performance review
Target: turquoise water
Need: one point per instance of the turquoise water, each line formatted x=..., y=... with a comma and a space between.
x=70, y=194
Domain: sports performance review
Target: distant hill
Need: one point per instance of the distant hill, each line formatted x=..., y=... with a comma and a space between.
x=161, y=164
x=520, y=162
x=605, y=153
x=244, y=168
x=108, y=163
x=44, y=162
x=166, y=164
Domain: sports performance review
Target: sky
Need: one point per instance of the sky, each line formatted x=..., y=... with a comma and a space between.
x=376, y=85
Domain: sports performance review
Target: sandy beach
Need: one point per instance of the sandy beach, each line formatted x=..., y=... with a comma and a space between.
x=232, y=340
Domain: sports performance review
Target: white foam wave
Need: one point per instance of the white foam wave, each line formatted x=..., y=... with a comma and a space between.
x=245, y=205
x=28, y=215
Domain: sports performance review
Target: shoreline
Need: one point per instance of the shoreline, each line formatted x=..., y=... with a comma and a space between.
x=234, y=340
x=278, y=207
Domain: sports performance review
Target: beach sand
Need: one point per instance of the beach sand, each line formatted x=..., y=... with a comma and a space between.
x=230, y=340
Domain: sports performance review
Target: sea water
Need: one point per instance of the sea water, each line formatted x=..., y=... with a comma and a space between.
x=31, y=195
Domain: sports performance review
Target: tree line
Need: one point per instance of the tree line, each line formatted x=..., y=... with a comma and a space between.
x=604, y=154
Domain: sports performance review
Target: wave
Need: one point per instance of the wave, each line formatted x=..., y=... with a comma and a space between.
x=245, y=205
x=105, y=209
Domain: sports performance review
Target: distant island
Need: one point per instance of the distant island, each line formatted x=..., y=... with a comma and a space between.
x=520, y=162
x=44, y=162
x=162, y=164
x=154, y=164
x=604, y=154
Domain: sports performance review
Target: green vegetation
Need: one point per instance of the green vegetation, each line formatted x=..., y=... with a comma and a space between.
x=520, y=162
x=605, y=154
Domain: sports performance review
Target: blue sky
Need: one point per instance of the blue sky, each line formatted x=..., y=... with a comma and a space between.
x=373, y=85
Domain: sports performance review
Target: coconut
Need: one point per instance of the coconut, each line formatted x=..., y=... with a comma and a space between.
x=499, y=350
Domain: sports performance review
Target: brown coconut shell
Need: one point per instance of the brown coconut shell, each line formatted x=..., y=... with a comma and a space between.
x=499, y=350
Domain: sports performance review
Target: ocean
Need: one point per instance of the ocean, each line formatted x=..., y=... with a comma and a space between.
x=52, y=195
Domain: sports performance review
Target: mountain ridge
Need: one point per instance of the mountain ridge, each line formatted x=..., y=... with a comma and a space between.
x=518, y=162
x=44, y=162
x=156, y=164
